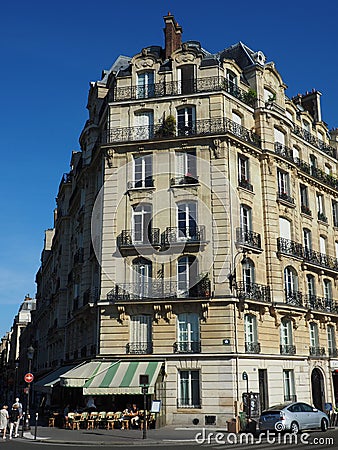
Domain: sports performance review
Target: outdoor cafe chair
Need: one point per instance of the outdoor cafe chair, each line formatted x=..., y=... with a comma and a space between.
x=101, y=421
x=91, y=420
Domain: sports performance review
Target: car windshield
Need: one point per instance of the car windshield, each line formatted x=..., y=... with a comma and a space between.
x=277, y=407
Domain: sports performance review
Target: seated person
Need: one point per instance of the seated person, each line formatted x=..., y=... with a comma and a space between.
x=135, y=419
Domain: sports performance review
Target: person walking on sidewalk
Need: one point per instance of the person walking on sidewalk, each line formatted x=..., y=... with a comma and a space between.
x=4, y=420
x=14, y=419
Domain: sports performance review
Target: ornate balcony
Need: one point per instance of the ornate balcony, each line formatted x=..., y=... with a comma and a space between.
x=248, y=238
x=253, y=291
x=252, y=347
x=189, y=235
x=315, y=303
x=316, y=351
x=204, y=127
x=294, y=298
x=141, y=184
x=333, y=352
x=187, y=347
x=139, y=348
x=184, y=180
x=308, y=137
x=286, y=349
x=322, y=217
x=171, y=88
x=127, y=239
x=158, y=289
x=289, y=247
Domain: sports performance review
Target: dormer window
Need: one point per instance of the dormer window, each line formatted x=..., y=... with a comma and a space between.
x=145, y=84
x=186, y=79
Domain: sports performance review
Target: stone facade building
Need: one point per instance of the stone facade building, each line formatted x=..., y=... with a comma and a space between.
x=195, y=238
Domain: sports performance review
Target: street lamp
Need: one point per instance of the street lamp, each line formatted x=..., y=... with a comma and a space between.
x=16, y=378
x=30, y=354
x=232, y=275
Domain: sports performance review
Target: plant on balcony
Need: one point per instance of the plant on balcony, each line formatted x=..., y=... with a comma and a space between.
x=168, y=127
x=250, y=97
x=306, y=210
x=322, y=217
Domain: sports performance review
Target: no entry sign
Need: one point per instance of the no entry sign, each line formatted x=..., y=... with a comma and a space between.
x=29, y=377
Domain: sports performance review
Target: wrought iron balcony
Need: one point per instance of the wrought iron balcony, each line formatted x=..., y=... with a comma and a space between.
x=78, y=256
x=189, y=235
x=186, y=179
x=139, y=348
x=146, y=183
x=158, y=289
x=285, y=197
x=252, y=347
x=170, y=88
x=203, y=127
x=333, y=352
x=316, y=351
x=187, y=347
x=127, y=238
x=322, y=217
x=253, y=291
x=248, y=238
x=321, y=304
x=287, y=349
x=243, y=183
x=308, y=137
x=294, y=298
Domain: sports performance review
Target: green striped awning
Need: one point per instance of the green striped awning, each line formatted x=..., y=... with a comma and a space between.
x=122, y=377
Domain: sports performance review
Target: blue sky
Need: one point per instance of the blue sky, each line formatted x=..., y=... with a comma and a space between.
x=52, y=50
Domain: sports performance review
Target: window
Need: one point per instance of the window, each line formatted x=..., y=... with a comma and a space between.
x=295, y=154
x=141, y=224
x=327, y=288
x=291, y=284
x=289, y=385
x=322, y=245
x=186, y=121
x=335, y=213
x=144, y=125
x=304, y=199
x=187, y=221
x=186, y=276
x=189, y=389
x=307, y=238
x=245, y=218
x=286, y=341
x=250, y=332
x=283, y=185
x=237, y=124
x=145, y=84
x=279, y=136
x=143, y=170
x=188, y=334
x=336, y=249
x=232, y=82
x=320, y=203
x=331, y=341
x=142, y=273
x=313, y=164
x=269, y=95
x=306, y=126
x=248, y=273
x=311, y=287
x=140, y=334
x=314, y=338
x=285, y=228
x=186, y=79
x=186, y=170
x=243, y=172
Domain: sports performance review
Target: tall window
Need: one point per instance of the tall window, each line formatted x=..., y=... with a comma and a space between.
x=144, y=125
x=286, y=340
x=327, y=288
x=250, y=331
x=232, y=82
x=188, y=332
x=142, y=273
x=187, y=220
x=320, y=207
x=245, y=218
x=237, y=120
x=186, y=275
x=143, y=171
x=141, y=224
x=140, y=334
x=314, y=337
x=186, y=170
x=331, y=341
x=307, y=239
x=284, y=228
x=279, y=136
x=283, y=185
x=291, y=283
x=243, y=172
x=186, y=79
x=304, y=199
x=289, y=385
x=189, y=389
x=322, y=244
x=145, y=84
x=311, y=286
x=248, y=274
x=335, y=213
x=186, y=121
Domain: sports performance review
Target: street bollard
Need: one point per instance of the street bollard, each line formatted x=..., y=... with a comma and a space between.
x=36, y=424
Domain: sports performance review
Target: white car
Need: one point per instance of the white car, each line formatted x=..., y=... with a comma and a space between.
x=293, y=417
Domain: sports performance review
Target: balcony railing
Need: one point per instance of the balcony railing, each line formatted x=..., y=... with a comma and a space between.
x=189, y=235
x=321, y=304
x=146, y=183
x=128, y=239
x=308, y=137
x=158, y=289
x=186, y=179
x=284, y=196
x=249, y=238
x=253, y=291
x=317, y=173
x=203, y=127
x=316, y=351
x=187, y=347
x=296, y=249
x=164, y=89
x=286, y=349
x=252, y=347
x=322, y=217
x=294, y=298
x=333, y=352
x=188, y=403
x=139, y=348
x=245, y=184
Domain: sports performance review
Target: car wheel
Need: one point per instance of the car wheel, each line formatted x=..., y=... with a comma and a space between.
x=324, y=425
x=294, y=428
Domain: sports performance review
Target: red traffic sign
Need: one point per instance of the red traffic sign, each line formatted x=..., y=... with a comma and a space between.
x=29, y=377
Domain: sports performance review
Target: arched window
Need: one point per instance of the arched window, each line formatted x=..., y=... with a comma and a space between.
x=141, y=274
x=246, y=218
x=291, y=285
x=186, y=118
x=248, y=274
x=186, y=276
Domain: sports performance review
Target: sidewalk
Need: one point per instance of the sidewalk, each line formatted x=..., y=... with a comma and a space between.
x=165, y=435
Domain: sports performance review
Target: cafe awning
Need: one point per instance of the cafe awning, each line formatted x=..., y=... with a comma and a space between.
x=47, y=383
x=77, y=376
x=122, y=377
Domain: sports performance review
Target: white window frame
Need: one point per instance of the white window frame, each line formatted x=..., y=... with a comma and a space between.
x=250, y=329
x=142, y=170
x=191, y=376
x=331, y=340
x=314, y=336
x=188, y=331
x=288, y=384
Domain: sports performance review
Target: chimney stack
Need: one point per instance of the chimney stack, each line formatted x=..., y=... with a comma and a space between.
x=172, y=35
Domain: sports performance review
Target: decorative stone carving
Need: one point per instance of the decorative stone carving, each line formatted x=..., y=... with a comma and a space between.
x=143, y=63
x=121, y=311
x=185, y=57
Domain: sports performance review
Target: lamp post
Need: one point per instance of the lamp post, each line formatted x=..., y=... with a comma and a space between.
x=15, y=379
x=232, y=275
x=30, y=354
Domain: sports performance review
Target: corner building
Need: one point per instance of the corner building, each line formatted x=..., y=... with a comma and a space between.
x=205, y=204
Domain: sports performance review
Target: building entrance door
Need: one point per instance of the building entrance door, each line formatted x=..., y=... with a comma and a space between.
x=318, y=391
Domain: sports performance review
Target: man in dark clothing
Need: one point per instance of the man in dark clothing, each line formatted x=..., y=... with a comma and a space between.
x=14, y=419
